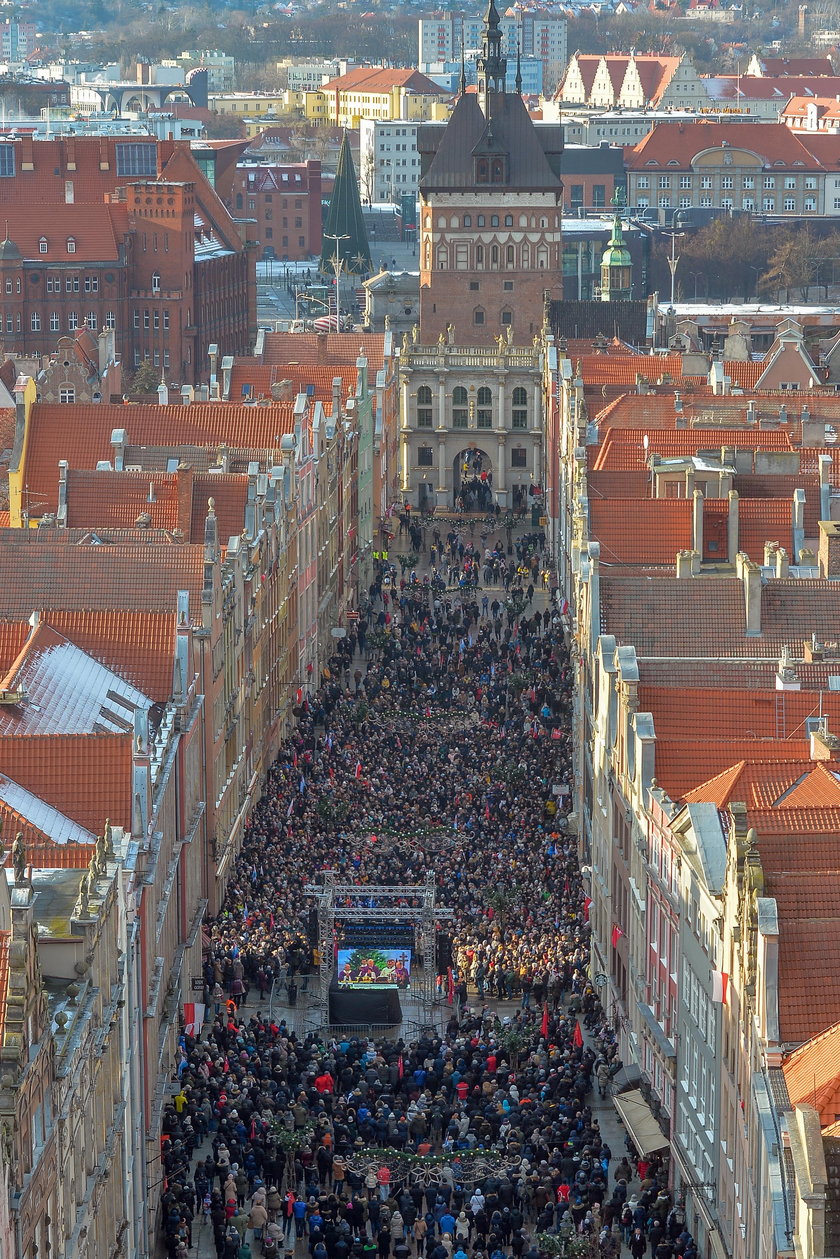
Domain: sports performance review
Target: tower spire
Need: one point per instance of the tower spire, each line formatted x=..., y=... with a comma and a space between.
x=492, y=64
x=518, y=66
x=462, y=83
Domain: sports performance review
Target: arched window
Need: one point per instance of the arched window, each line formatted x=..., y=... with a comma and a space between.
x=467, y=220
x=523, y=220
x=479, y=255
x=526, y=256
x=424, y=407
x=494, y=220
x=542, y=257
x=482, y=171
x=442, y=258
x=478, y=317
x=454, y=221
x=510, y=256
x=480, y=220
x=460, y=410
x=519, y=412
x=484, y=412
x=508, y=220
x=494, y=255
x=71, y=244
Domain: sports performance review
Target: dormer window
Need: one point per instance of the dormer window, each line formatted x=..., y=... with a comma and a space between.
x=482, y=171
x=42, y=245
x=71, y=245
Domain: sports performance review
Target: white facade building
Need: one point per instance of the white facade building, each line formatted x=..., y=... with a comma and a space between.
x=389, y=165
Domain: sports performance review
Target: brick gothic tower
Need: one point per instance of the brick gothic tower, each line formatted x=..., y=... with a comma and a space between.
x=490, y=205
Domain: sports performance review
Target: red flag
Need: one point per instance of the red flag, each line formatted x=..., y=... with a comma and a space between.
x=358, y=769
x=617, y=933
x=544, y=1025
x=487, y=811
x=400, y=1067
x=587, y=903
x=294, y=760
x=450, y=986
x=720, y=983
x=577, y=1039
x=271, y=921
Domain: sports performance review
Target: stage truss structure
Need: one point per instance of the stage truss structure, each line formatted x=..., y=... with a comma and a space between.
x=339, y=902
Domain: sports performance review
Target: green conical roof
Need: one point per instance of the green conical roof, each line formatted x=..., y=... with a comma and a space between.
x=344, y=219
x=616, y=253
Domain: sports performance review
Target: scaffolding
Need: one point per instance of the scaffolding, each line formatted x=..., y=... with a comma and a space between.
x=340, y=902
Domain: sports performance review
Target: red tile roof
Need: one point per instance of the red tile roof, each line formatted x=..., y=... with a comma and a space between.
x=748, y=715
x=50, y=572
x=763, y=520
x=116, y=500
x=382, y=79
x=140, y=648
x=640, y=531
x=812, y=1074
x=812, y=67
x=61, y=768
x=87, y=441
x=683, y=764
x=97, y=232
x=674, y=144
x=13, y=635
x=330, y=349
x=260, y=377
x=623, y=369
x=624, y=449
x=784, y=784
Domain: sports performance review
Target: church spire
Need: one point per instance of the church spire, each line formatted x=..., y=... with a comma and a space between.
x=492, y=64
x=462, y=83
x=518, y=66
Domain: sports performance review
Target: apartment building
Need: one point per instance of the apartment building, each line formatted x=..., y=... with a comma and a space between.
x=541, y=36
x=389, y=163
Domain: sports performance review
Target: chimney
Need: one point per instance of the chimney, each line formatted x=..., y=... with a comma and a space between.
x=751, y=415
x=732, y=527
x=187, y=394
x=684, y=564
x=336, y=398
x=163, y=395
x=798, y=520
x=184, y=491
x=824, y=745
x=119, y=440
x=283, y=391
x=321, y=339
x=770, y=549
x=61, y=514
x=152, y=498
x=751, y=577
x=829, y=552
x=783, y=414
x=697, y=522
x=782, y=564
x=824, y=468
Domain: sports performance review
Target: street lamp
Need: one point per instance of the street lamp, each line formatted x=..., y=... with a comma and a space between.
x=337, y=263
x=673, y=260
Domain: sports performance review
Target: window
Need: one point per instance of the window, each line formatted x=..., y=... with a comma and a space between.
x=519, y=457
x=510, y=256
x=480, y=220
x=424, y=407
x=706, y=202
x=790, y=181
x=72, y=321
x=726, y=203
x=136, y=319
x=42, y=245
x=484, y=413
x=685, y=181
x=790, y=203
x=478, y=317
x=685, y=203
x=705, y=181
x=55, y=322
x=110, y=320
x=35, y=321
x=599, y=196
x=664, y=203
x=91, y=283
x=810, y=205
x=71, y=244
x=810, y=181
x=91, y=320
x=727, y=181
x=494, y=220
x=155, y=281
x=467, y=220
x=768, y=205
x=769, y=181
x=643, y=182
x=156, y=320
x=460, y=413
x=508, y=220
x=424, y=457
x=66, y=393
x=748, y=203
x=166, y=321
x=146, y=320
x=664, y=181
x=519, y=414
x=507, y=318
x=7, y=161
x=479, y=255
x=137, y=159
x=749, y=181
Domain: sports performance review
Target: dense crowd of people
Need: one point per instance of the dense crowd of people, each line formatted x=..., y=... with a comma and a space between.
x=433, y=741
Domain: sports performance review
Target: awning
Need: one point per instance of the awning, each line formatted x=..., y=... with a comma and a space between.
x=638, y=1118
